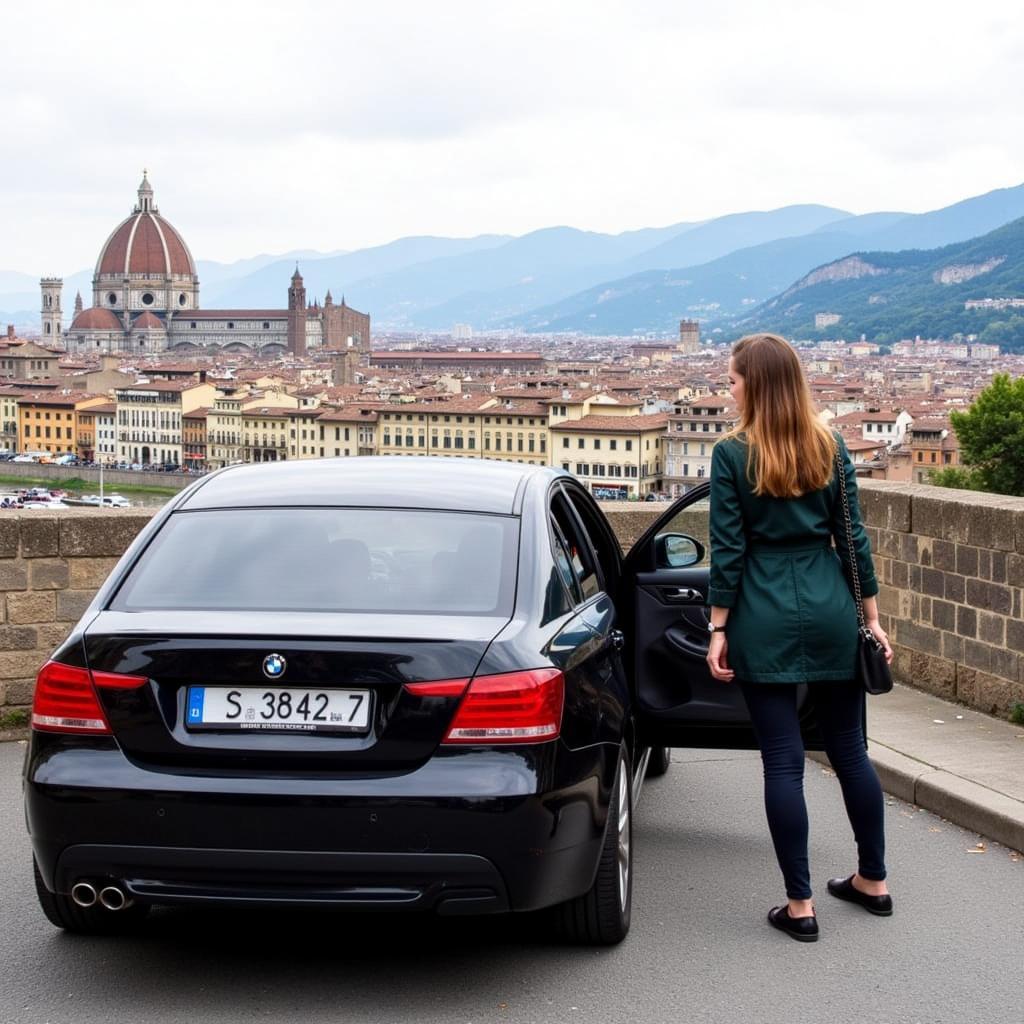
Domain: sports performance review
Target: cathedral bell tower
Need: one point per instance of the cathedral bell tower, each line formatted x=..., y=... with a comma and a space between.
x=297, y=315
x=51, y=313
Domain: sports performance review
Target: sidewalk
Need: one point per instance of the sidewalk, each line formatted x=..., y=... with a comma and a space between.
x=957, y=763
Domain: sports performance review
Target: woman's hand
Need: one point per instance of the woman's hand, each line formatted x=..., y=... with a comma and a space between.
x=879, y=634
x=717, y=658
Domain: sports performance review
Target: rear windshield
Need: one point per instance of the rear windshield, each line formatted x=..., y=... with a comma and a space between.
x=328, y=559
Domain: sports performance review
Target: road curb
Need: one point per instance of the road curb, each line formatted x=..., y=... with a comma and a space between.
x=958, y=800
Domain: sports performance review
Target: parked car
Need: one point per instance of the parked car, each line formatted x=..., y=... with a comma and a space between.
x=380, y=684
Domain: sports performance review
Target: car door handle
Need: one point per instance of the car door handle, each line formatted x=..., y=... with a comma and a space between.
x=683, y=595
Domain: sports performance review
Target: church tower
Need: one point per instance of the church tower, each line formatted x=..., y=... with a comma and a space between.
x=297, y=315
x=51, y=313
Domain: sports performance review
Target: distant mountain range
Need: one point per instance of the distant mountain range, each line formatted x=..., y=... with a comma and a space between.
x=723, y=290
x=722, y=271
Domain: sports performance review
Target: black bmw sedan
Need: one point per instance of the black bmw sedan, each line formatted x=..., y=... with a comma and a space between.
x=377, y=684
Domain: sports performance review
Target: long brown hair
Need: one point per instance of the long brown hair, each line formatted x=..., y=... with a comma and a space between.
x=790, y=452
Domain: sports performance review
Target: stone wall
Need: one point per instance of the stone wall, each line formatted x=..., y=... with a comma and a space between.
x=51, y=564
x=951, y=568
x=950, y=565
x=112, y=478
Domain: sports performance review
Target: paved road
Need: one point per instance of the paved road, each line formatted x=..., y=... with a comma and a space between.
x=699, y=950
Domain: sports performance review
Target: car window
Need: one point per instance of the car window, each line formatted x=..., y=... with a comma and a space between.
x=577, y=547
x=398, y=561
x=563, y=563
x=598, y=535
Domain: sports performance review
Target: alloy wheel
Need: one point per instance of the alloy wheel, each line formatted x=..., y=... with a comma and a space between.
x=624, y=846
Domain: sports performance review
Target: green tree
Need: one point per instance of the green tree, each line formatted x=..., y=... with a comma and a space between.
x=956, y=476
x=991, y=435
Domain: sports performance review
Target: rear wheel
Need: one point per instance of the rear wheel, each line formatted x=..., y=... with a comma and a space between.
x=62, y=911
x=657, y=763
x=600, y=917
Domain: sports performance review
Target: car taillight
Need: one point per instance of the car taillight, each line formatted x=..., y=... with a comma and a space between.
x=438, y=688
x=514, y=707
x=65, y=698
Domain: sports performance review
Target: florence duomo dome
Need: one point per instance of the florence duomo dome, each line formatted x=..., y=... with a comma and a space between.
x=146, y=299
x=145, y=265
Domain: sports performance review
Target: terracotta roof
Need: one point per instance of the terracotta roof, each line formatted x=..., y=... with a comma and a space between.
x=614, y=424
x=162, y=385
x=145, y=243
x=713, y=402
x=519, y=409
x=233, y=314
x=57, y=399
x=434, y=355
x=276, y=411
x=147, y=322
x=107, y=409
x=95, y=318
x=362, y=415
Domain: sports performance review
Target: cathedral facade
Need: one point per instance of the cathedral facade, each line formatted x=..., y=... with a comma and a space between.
x=146, y=299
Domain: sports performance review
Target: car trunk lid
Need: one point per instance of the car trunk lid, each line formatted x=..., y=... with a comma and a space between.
x=373, y=655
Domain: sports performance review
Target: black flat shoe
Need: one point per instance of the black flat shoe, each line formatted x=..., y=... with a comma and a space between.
x=803, y=929
x=842, y=889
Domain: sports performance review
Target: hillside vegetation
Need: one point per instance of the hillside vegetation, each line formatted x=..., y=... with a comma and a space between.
x=892, y=295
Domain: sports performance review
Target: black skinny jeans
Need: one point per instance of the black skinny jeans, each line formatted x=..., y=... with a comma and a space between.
x=838, y=708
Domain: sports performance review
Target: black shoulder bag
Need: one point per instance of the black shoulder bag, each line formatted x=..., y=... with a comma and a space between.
x=872, y=670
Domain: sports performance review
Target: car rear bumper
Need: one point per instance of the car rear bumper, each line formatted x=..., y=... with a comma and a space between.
x=448, y=883
x=477, y=833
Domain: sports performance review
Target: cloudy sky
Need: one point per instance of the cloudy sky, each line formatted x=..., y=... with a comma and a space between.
x=273, y=126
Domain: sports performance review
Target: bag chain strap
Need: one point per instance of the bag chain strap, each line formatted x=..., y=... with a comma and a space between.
x=841, y=470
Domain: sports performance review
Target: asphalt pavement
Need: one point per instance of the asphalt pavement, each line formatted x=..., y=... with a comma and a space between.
x=699, y=950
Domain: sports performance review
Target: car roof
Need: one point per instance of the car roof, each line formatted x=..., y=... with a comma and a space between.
x=438, y=482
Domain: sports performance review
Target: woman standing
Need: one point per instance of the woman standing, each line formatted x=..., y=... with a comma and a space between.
x=782, y=613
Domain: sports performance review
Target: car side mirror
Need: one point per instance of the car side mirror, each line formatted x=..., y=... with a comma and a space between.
x=676, y=551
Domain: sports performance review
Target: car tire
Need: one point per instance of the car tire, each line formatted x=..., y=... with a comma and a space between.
x=658, y=762
x=62, y=911
x=601, y=916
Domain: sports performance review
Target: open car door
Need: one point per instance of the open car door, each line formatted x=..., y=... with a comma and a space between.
x=664, y=602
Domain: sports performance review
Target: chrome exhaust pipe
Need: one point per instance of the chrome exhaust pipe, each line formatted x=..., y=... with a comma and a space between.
x=113, y=897
x=83, y=894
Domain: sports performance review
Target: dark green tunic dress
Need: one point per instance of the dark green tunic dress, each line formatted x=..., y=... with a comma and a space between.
x=792, y=617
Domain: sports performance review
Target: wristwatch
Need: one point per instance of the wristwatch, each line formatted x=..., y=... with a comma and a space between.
x=712, y=628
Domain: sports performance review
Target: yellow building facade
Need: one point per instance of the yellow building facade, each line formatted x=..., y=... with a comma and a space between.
x=52, y=423
x=614, y=456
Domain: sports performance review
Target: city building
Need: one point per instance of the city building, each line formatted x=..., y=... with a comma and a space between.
x=25, y=360
x=453, y=359
x=933, y=445
x=194, y=424
x=615, y=456
x=689, y=337
x=9, y=436
x=57, y=423
x=105, y=423
x=692, y=431
x=149, y=419
x=146, y=300
x=452, y=427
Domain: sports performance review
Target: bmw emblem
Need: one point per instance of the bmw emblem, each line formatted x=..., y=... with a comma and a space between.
x=274, y=666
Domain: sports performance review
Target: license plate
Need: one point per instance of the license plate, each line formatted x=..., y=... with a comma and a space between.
x=262, y=708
